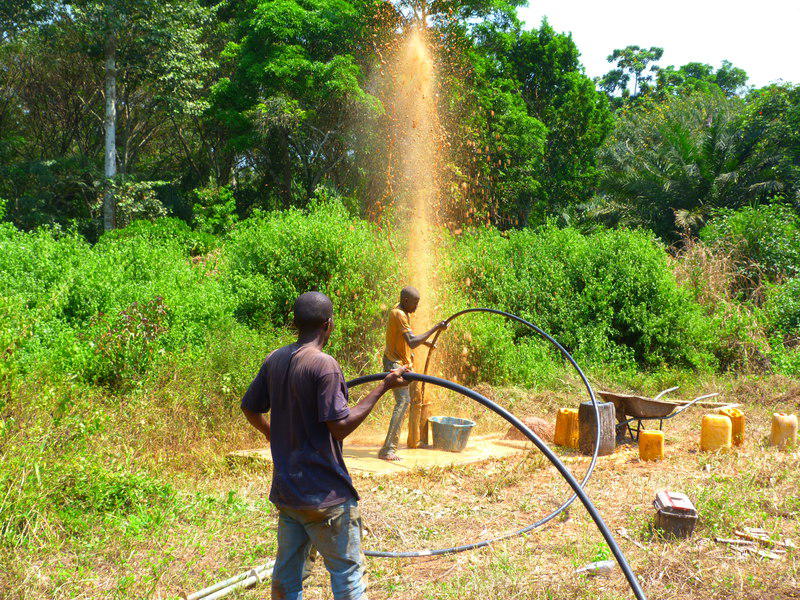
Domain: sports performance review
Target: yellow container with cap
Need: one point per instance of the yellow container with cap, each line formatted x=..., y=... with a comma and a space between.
x=737, y=422
x=566, y=433
x=784, y=430
x=716, y=433
x=651, y=444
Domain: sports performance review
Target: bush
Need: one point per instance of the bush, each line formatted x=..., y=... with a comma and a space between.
x=215, y=209
x=169, y=231
x=488, y=348
x=125, y=343
x=65, y=287
x=108, y=313
x=763, y=242
x=782, y=310
x=270, y=259
x=609, y=297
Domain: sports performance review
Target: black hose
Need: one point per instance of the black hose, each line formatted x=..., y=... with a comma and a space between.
x=562, y=469
x=528, y=324
x=586, y=476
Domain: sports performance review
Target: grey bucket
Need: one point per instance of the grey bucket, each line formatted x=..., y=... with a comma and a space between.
x=450, y=433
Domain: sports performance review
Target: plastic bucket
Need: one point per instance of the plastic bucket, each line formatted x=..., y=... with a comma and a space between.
x=450, y=433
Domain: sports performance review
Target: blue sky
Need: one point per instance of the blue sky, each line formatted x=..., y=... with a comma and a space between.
x=762, y=37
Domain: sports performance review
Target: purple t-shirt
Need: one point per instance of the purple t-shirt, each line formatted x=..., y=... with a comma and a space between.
x=302, y=388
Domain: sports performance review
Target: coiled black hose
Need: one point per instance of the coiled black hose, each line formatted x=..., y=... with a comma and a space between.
x=562, y=469
x=577, y=487
x=586, y=476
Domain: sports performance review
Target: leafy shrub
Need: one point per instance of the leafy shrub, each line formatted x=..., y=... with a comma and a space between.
x=125, y=343
x=215, y=209
x=487, y=348
x=100, y=490
x=63, y=284
x=138, y=269
x=270, y=259
x=163, y=231
x=137, y=200
x=763, y=242
x=783, y=308
x=37, y=266
x=610, y=297
x=15, y=326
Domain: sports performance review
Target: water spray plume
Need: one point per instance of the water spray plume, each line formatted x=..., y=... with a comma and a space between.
x=416, y=134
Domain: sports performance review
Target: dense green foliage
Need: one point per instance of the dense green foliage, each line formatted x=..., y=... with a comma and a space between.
x=273, y=258
x=577, y=118
x=113, y=312
x=296, y=85
x=52, y=105
x=226, y=108
x=668, y=164
x=609, y=297
x=107, y=313
x=762, y=241
x=782, y=309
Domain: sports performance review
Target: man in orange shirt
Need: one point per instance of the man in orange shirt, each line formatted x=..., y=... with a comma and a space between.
x=400, y=341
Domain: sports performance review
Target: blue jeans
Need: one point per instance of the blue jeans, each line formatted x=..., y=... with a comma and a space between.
x=336, y=534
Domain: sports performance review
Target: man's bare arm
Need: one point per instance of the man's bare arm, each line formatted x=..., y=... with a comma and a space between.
x=414, y=341
x=257, y=420
x=343, y=427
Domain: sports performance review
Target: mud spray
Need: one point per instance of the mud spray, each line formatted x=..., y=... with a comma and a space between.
x=416, y=137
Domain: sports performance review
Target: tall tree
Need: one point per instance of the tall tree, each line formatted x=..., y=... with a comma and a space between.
x=578, y=118
x=696, y=76
x=297, y=84
x=775, y=109
x=561, y=121
x=633, y=63
x=155, y=36
x=147, y=53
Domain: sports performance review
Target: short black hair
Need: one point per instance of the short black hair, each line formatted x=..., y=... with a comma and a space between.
x=312, y=310
x=409, y=292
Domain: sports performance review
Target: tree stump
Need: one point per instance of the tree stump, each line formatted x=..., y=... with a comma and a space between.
x=587, y=428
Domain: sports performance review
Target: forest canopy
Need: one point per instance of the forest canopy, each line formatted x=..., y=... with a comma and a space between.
x=230, y=107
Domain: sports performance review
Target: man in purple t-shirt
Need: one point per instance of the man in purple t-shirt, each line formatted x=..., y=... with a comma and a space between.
x=305, y=393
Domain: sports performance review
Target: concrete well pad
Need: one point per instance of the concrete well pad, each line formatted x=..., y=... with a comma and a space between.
x=363, y=459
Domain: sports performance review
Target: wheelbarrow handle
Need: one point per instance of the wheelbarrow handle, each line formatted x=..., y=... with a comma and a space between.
x=688, y=404
x=660, y=394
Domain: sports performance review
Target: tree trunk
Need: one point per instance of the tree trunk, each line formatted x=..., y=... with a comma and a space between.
x=110, y=123
x=286, y=183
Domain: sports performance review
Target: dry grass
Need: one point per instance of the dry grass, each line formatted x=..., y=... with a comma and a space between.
x=222, y=522
x=718, y=285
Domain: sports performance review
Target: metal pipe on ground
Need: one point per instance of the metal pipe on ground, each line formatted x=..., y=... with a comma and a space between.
x=223, y=588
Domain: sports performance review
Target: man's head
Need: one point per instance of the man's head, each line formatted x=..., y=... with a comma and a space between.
x=409, y=299
x=313, y=312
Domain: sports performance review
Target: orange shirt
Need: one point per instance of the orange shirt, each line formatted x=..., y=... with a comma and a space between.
x=397, y=349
